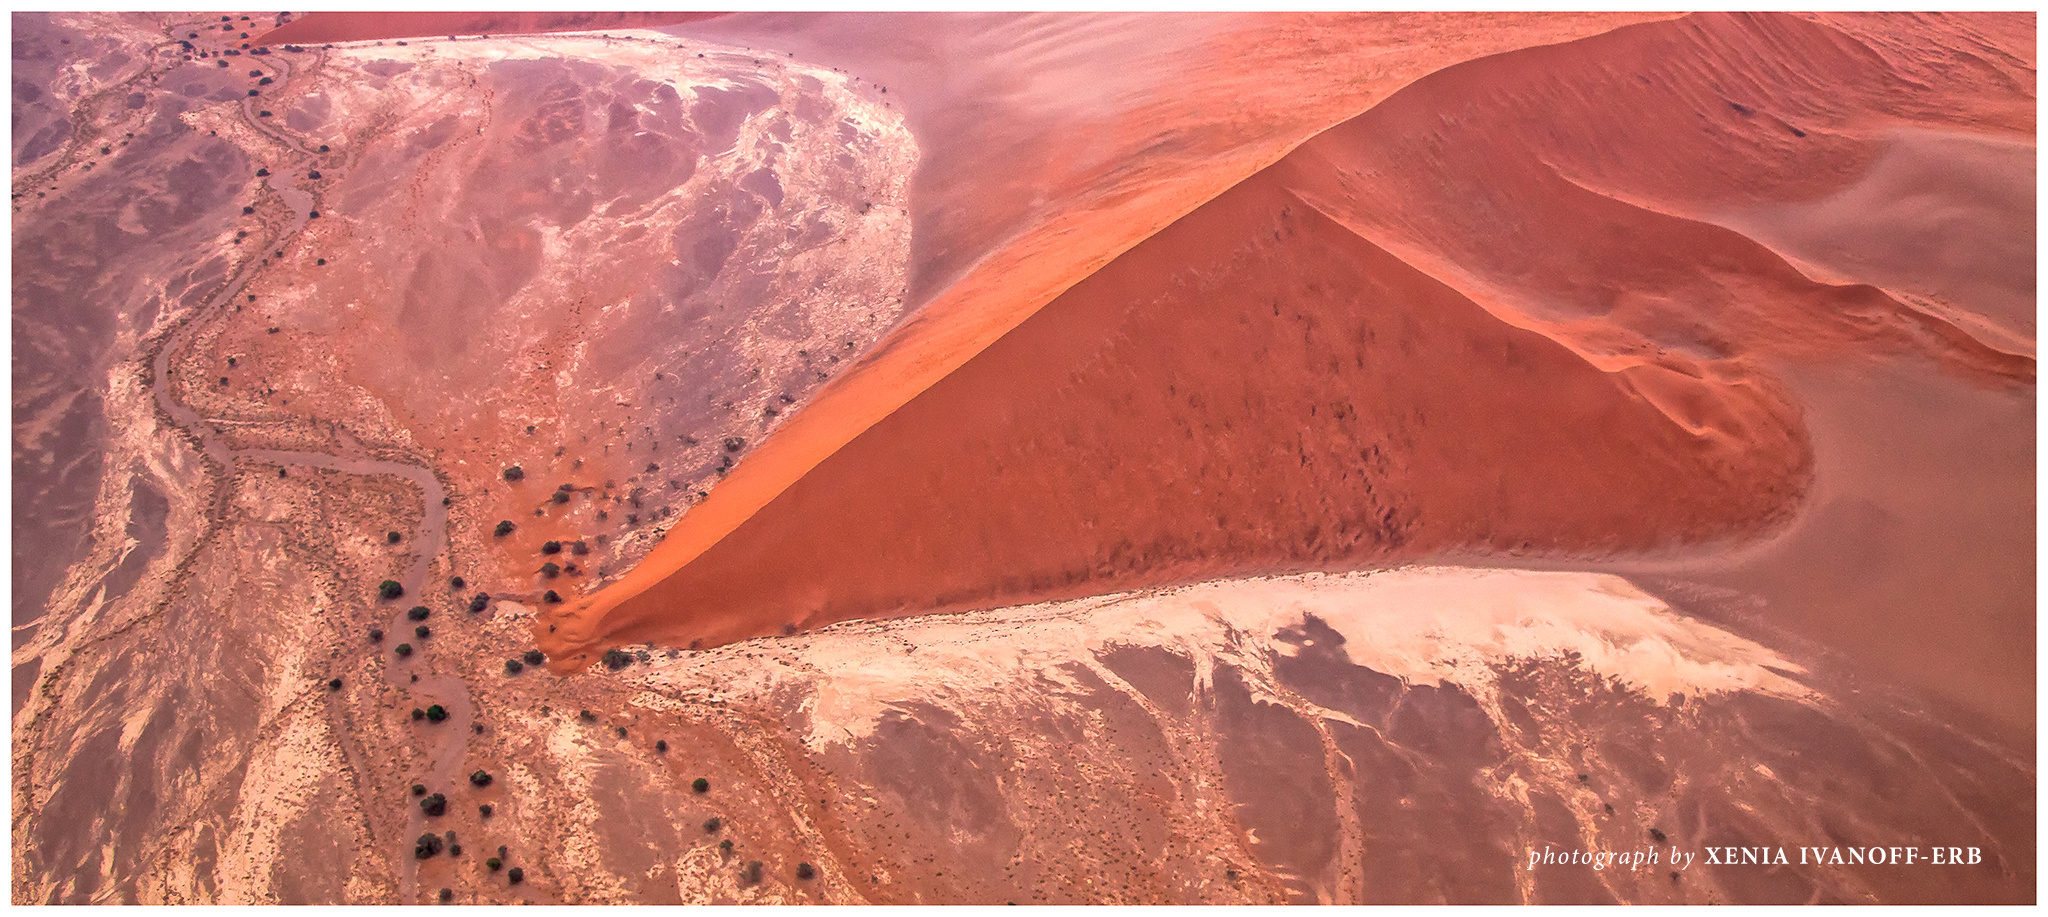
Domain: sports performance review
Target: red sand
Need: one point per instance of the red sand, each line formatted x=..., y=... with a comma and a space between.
x=320, y=28
x=1311, y=371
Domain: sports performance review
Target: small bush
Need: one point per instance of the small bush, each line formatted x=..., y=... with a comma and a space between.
x=480, y=778
x=700, y=785
x=535, y=657
x=516, y=876
x=513, y=667
x=516, y=473
x=725, y=846
x=550, y=570
x=494, y=864
x=551, y=598
x=403, y=649
x=485, y=811
x=661, y=745
x=712, y=824
x=456, y=582
x=417, y=613
x=551, y=547
x=334, y=684
x=479, y=602
x=392, y=537
x=419, y=789
x=390, y=589
x=418, y=714
x=376, y=635
x=616, y=660
x=752, y=874
x=422, y=632
x=805, y=871
x=579, y=548
x=560, y=497
x=447, y=895
x=504, y=528
x=586, y=716
x=434, y=805
x=436, y=713
x=428, y=845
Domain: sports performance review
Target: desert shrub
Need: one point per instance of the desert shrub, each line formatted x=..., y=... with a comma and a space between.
x=551, y=547
x=805, y=871
x=712, y=824
x=661, y=745
x=485, y=811
x=376, y=635
x=479, y=602
x=616, y=660
x=422, y=632
x=579, y=548
x=447, y=895
x=550, y=570
x=434, y=805
x=516, y=876
x=417, y=613
x=494, y=864
x=551, y=598
x=428, y=845
x=436, y=713
x=419, y=789
x=512, y=667
x=403, y=649
x=700, y=785
x=418, y=714
x=586, y=716
x=456, y=582
x=390, y=589
x=752, y=874
x=504, y=528
x=535, y=657
x=561, y=496
x=334, y=684
x=480, y=778
x=516, y=473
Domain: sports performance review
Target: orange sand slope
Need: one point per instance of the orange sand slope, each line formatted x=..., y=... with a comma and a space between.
x=318, y=28
x=1499, y=311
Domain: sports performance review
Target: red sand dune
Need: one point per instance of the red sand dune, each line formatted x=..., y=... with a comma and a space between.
x=319, y=28
x=1491, y=313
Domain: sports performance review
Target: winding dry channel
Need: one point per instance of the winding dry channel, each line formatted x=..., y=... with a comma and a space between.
x=451, y=737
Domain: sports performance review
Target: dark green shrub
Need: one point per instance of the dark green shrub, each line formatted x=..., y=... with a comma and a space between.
x=616, y=660
x=428, y=845
x=701, y=785
x=479, y=602
x=436, y=713
x=456, y=582
x=418, y=714
x=403, y=649
x=512, y=667
x=334, y=684
x=516, y=876
x=516, y=473
x=392, y=537
x=390, y=589
x=434, y=805
x=551, y=547
x=376, y=635
x=560, y=496
x=422, y=632
x=416, y=613
x=504, y=528
x=534, y=657
x=419, y=790
x=480, y=778
x=494, y=864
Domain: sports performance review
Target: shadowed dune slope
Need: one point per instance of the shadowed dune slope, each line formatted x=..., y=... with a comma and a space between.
x=1495, y=313
x=316, y=28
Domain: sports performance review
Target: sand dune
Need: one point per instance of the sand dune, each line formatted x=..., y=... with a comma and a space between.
x=1495, y=313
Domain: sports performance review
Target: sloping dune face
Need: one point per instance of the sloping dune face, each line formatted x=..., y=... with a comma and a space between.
x=601, y=273
x=1487, y=315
